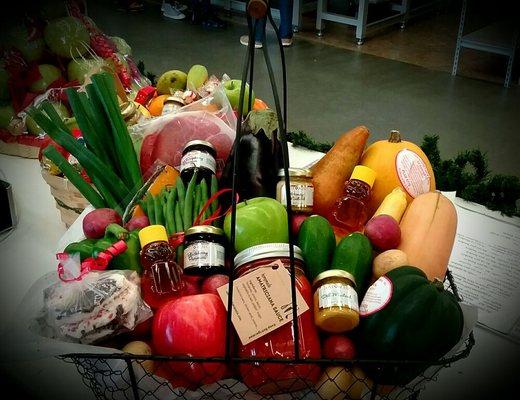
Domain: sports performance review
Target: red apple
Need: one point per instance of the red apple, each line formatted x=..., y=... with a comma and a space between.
x=384, y=232
x=192, y=326
x=142, y=331
x=213, y=282
x=191, y=287
x=339, y=346
x=297, y=221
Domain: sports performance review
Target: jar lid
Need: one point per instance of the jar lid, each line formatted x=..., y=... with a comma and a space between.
x=296, y=172
x=127, y=109
x=152, y=233
x=267, y=250
x=175, y=99
x=364, y=174
x=199, y=143
x=335, y=273
x=204, y=229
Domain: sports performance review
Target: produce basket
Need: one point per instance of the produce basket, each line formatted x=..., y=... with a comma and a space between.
x=290, y=373
x=126, y=376
x=69, y=201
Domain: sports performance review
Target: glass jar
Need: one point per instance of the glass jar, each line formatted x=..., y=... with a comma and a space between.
x=172, y=104
x=198, y=154
x=272, y=378
x=204, y=252
x=336, y=306
x=302, y=190
x=131, y=112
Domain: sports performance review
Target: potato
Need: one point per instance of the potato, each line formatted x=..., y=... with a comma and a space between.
x=140, y=348
x=338, y=381
x=387, y=261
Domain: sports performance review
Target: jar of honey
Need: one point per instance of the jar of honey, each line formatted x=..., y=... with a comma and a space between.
x=336, y=306
x=301, y=189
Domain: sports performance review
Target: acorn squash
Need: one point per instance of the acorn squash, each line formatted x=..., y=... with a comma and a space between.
x=398, y=163
x=404, y=316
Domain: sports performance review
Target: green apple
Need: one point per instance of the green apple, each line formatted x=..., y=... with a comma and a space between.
x=232, y=90
x=259, y=220
x=78, y=69
x=6, y=115
x=67, y=37
x=4, y=88
x=32, y=50
x=34, y=129
x=49, y=74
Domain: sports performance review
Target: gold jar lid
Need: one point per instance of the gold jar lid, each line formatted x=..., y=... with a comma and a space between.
x=128, y=109
x=334, y=273
x=302, y=172
x=204, y=229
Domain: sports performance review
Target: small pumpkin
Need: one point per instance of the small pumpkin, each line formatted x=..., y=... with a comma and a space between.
x=398, y=163
x=412, y=319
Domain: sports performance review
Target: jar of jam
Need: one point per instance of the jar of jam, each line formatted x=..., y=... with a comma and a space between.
x=132, y=112
x=272, y=378
x=204, y=252
x=162, y=277
x=336, y=306
x=198, y=154
x=302, y=190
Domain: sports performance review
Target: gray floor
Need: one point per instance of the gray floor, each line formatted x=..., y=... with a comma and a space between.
x=332, y=90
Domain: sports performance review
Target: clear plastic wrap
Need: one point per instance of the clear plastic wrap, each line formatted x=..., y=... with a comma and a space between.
x=92, y=306
x=163, y=138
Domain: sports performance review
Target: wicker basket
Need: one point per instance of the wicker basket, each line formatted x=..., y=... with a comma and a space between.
x=69, y=201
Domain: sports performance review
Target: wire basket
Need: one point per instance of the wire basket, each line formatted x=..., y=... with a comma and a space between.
x=128, y=376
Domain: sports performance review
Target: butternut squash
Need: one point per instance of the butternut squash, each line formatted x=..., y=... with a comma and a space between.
x=398, y=163
x=428, y=230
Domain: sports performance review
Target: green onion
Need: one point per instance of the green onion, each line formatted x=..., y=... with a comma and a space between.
x=74, y=177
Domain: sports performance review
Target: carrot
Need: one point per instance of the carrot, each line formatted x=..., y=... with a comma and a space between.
x=331, y=172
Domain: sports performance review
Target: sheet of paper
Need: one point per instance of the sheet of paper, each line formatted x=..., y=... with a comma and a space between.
x=486, y=264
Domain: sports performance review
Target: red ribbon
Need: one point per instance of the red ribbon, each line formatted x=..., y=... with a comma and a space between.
x=99, y=263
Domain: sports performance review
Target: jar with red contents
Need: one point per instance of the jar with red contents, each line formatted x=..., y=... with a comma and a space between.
x=273, y=378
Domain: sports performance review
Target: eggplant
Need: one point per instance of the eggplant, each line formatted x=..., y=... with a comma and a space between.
x=259, y=157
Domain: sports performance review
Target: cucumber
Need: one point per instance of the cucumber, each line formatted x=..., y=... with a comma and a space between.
x=354, y=255
x=317, y=241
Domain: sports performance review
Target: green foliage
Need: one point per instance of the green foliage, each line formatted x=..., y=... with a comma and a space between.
x=469, y=176
x=302, y=139
x=150, y=75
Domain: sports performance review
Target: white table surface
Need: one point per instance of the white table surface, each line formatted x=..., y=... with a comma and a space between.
x=28, y=253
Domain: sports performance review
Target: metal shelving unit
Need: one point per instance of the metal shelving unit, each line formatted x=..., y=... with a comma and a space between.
x=499, y=38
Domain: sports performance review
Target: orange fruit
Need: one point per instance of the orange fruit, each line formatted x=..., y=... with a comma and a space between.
x=259, y=105
x=156, y=105
x=167, y=177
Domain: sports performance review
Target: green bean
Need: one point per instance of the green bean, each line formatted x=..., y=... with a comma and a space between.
x=151, y=209
x=142, y=204
x=188, y=202
x=181, y=193
x=170, y=211
x=159, y=217
x=204, y=198
x=214, y=190
x=178, y=218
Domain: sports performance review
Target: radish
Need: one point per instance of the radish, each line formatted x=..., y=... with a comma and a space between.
x=139, y=222
x=96, y=221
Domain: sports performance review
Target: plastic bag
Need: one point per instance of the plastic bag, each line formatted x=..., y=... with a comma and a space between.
x=163, y=138
x=93, y=306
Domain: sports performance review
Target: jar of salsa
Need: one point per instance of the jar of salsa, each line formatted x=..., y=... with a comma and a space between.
x=272, y=378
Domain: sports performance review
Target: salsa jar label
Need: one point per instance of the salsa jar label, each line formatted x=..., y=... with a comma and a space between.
x=203, y=253
x=412, y=173
x=377, y=296
x=198, y=159
x=337, y=295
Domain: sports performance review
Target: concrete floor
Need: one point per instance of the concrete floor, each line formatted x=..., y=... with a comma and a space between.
x=332, y=90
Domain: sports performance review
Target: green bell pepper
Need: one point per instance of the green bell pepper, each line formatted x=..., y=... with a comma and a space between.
x=130, y=259
x=84, y=248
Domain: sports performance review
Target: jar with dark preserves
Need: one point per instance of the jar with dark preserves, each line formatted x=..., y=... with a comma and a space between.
x=204, y=252
x=198, y=154
x=273, y=378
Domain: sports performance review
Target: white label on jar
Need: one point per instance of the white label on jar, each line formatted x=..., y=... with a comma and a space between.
x=198, y=159
x=301, y=195
x=201, y=253
x=377, y=296
x=337, y=295
x=412, y=173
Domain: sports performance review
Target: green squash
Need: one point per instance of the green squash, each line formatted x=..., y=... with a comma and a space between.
x=415, y=319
